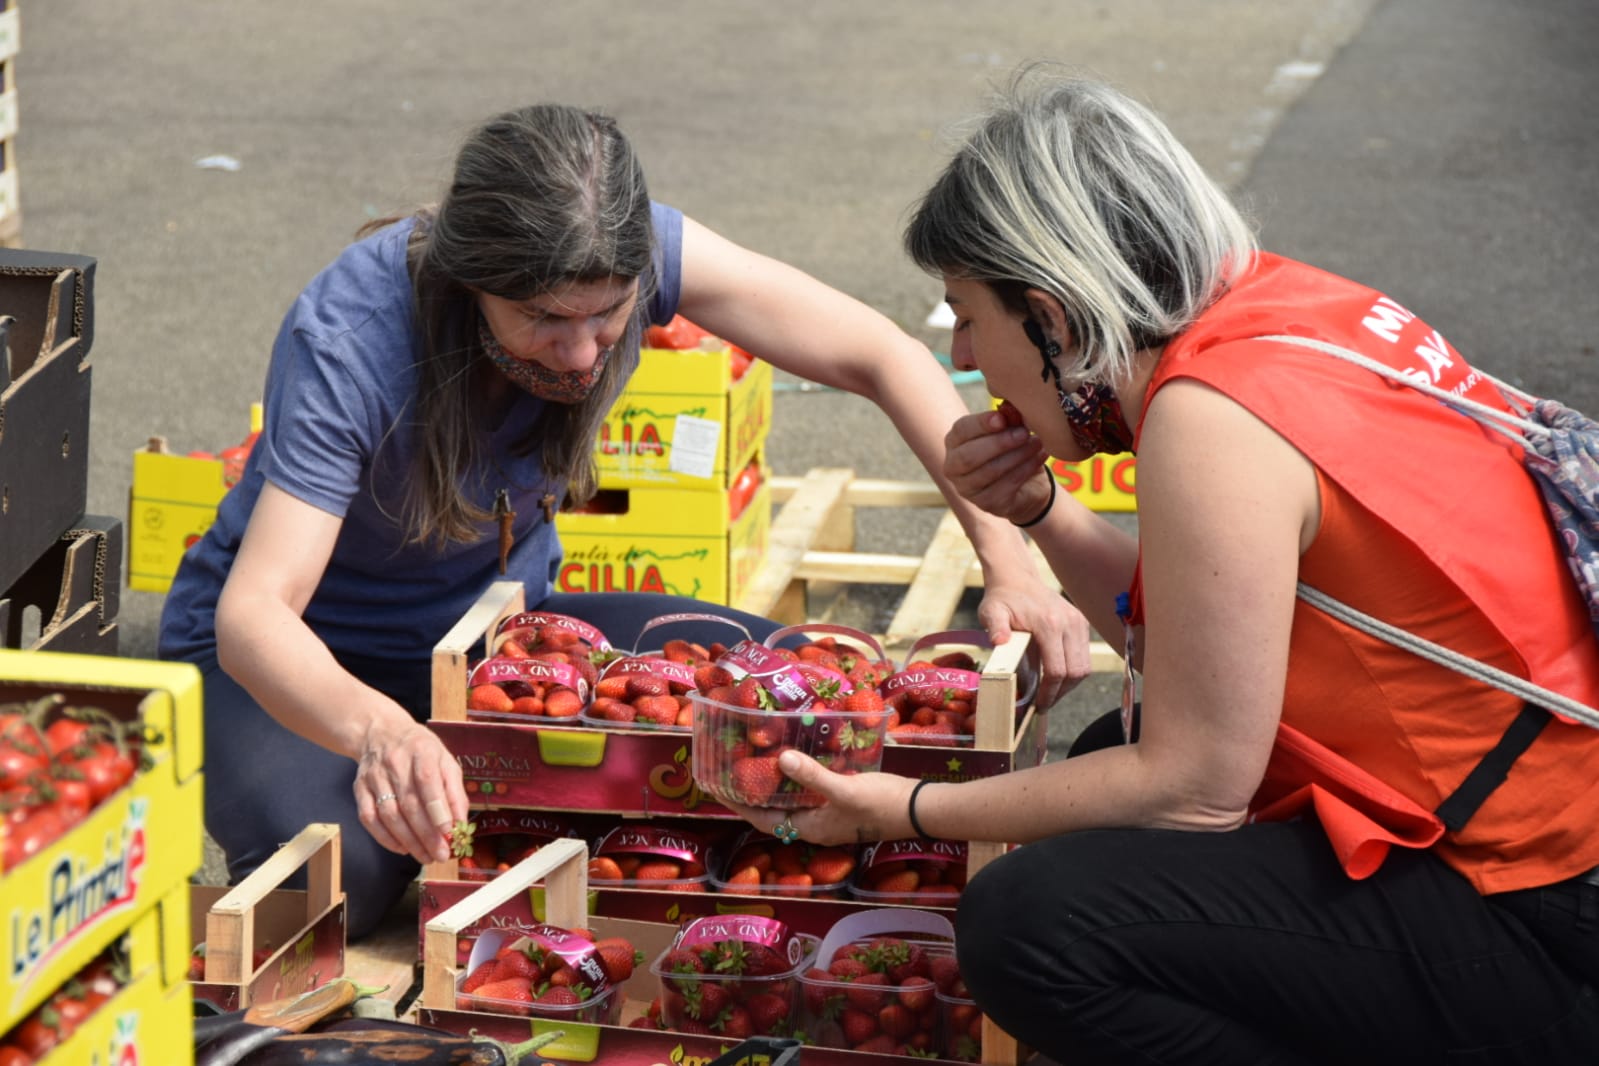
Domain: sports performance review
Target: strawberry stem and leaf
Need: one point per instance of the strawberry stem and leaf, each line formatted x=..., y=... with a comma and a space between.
x=461, y=839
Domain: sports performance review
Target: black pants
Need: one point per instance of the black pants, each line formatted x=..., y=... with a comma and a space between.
x=1156, y=946
x=263, y=784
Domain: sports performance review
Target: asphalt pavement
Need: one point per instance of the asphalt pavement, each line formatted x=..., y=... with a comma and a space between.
x=214, y=156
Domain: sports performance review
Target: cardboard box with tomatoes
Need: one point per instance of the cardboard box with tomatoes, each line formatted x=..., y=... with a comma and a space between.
x=173, y=501
x=693, y=415
x=86, y=806
x=128, y=1003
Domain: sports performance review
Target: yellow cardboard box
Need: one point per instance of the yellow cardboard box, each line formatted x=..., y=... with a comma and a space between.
x=172, y=502
x=1103, y=483
x=683, y=420
x=66, y=903
x=668, y=540
x=151, y=1019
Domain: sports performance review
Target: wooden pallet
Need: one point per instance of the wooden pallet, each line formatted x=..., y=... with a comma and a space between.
x=812, y=541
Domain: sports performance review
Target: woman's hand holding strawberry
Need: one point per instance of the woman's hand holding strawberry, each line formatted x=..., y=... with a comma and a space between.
x=993, y=461
x=408, y=789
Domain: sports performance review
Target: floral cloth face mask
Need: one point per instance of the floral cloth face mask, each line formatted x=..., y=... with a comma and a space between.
x=1092, y=410
x=555, y=386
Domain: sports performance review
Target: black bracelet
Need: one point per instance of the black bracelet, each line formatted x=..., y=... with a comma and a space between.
x=916, y=825
x=1041, y=514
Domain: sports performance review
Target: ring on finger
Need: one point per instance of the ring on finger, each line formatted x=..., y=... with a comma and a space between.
x=785, y=830
x=384, y=798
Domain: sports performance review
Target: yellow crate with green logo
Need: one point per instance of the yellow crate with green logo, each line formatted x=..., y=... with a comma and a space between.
x=150, y=1019
x=684, y=420
x=667, y=540
x=68, y=901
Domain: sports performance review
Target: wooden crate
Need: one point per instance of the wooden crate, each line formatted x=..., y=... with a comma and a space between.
x=300, y=932
x=812, y=543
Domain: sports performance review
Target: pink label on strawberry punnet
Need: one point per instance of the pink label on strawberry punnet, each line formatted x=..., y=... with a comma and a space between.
x=945, y=851
x=655, y=840
x=638, y=665
x=499, y=670
x=750, y=928
x=578, y=952
x=528, y=620
x=965, y=681
x=787, y=685
x=514, y=821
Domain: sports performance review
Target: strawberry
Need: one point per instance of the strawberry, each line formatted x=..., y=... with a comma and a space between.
x=749, y=694
x=560, y=996
x=768, y=1012
x=641, y=685
x=563, y=702
x=661, y=710
x=857, y=1026
x=881, y=1044
x=604, y=868
x=823, y=997
x=829, y=866
x=709, y=677
x=903, y=881
x=706, y=1000
x=682, y=960
x=916, y=993
x=868, y=992
x=944, y=971
x=511, y=990
x=745, y=878
x=478, y=977
x=659, y=870
x=611, y=688
x=765, y=731
x=614, y=711
x=511, y=649
x=846, y=969
x=514, y=964
x=735, y=1023
x=488, y=698
x=681, y=651
x=794, y=884
x=617, y=957
x=895, y=1021
x=755, y=780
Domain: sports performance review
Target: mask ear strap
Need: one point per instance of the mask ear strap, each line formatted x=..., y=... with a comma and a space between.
x=1047, y=348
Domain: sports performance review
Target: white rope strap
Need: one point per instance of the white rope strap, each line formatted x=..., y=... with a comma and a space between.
x=1463, y=664
x=1491, y=417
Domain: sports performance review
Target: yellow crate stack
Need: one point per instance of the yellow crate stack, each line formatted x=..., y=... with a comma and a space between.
x=670, y=459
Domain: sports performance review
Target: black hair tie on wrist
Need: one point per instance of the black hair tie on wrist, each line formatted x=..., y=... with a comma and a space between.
x=1053, y=488
x=916, y=825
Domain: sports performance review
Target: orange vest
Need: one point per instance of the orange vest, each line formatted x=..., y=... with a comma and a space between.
x=1431, y=523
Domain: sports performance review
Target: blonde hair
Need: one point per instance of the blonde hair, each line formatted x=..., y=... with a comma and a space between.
x=1070, y=187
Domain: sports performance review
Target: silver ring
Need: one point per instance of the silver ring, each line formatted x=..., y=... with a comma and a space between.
x=785, y=830
x=384, y=798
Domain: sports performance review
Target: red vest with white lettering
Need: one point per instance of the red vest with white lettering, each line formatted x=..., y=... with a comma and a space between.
x=1430, y=522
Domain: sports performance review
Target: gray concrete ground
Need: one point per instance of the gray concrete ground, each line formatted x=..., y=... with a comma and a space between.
x=1441, y=149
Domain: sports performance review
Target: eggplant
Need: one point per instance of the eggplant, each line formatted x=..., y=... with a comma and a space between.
x=227, y=1038
x=414, y=1046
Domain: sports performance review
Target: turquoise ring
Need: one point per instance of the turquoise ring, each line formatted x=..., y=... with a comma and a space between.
x=785, y=831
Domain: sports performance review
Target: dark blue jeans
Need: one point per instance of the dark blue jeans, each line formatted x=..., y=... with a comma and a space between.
x=1156, y=946
x=263, y=784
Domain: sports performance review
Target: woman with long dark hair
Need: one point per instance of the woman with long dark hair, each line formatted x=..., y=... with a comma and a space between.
x=457, y=358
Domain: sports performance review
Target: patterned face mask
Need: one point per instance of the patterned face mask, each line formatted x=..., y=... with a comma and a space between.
x=555, y=386
x=1096, y=419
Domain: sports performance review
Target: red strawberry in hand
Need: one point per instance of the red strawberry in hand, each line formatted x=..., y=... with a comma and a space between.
x=755, y=779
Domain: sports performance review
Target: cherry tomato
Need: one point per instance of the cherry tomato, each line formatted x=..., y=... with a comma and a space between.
x=105, y=767
x=14, y=1056
x=32, y=835
x=64, y=733
x=38, y=1035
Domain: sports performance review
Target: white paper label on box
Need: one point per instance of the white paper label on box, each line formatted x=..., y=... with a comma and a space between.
x=694, y=444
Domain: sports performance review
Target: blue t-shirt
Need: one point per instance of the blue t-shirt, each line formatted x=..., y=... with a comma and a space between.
x=339, y=434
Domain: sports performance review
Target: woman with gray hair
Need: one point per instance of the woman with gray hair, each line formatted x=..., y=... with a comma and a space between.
x=450, y=369
x=1176, y=898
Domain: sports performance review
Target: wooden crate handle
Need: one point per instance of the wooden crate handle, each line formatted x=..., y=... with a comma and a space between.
x=500, y=600
x=563, y=867
x=230, y=924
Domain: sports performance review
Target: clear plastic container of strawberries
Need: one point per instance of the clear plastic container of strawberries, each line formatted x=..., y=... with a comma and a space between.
x=875, y=981
x=920, y=873
x=761, y=699
x=540, y=666
x=665, y=857
x=759, y=864
x=547, y=972
x=733, y=975
x=932, y=699
x=649, y=688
